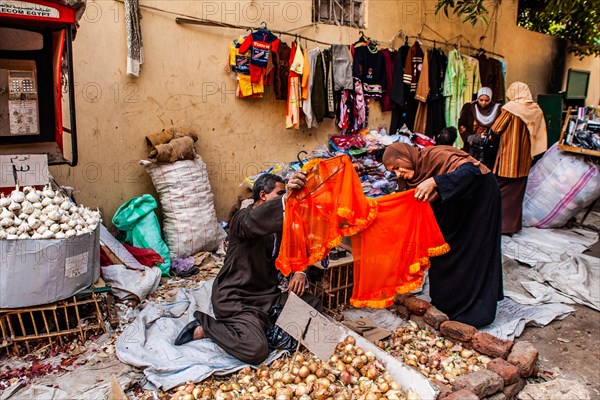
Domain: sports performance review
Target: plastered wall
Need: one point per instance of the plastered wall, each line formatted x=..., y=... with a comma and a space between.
x=183, y=82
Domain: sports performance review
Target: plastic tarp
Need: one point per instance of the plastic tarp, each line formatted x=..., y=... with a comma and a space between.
x=147, y=343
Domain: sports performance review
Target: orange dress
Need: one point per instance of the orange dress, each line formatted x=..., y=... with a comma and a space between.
x=392, y=254
x=331, y=205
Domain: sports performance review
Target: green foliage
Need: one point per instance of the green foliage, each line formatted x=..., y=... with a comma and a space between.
x=575, y=20
x=470, y=10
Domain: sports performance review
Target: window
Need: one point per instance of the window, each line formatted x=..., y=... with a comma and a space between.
x=339, y=12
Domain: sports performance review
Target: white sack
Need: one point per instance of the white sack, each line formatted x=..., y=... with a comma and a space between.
x=190, y=222
x=559, y=185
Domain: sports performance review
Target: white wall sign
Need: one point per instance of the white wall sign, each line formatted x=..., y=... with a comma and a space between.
x=29, y=170
x=13, y=7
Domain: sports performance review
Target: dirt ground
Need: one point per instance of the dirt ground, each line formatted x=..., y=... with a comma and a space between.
x=570, y=348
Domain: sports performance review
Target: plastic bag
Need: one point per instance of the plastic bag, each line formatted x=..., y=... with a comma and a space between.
x=277, y=338
x=559, y=185
x=137, y=219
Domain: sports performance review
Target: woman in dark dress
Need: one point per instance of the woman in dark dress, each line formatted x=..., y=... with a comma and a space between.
x=465, y=283
x=474, y=124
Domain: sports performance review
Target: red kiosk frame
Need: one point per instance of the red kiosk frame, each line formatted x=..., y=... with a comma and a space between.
x=40, y=33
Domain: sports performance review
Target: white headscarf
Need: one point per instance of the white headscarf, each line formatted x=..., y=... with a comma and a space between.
x=485, y=91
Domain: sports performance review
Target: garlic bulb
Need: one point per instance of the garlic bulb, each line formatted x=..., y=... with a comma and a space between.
x=17, y=196
x=32, y=197
x=43, y=214
x=4, y=201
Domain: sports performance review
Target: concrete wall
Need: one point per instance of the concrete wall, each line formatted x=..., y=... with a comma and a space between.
x=183, y=82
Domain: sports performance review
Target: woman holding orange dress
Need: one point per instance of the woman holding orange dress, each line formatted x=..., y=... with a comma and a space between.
x=466, y=282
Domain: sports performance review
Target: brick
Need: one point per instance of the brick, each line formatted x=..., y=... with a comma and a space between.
x=462, y=394
x=421, y=323
x=401, y=311
x=496, y=396
x=491, y=345
x=401, y=298
x=444, y=390
x=434, y=317
x=509, y=372
x=511, y=391
x=458, y=330
x=417, y=306
x=482, y=383
x=524, y=355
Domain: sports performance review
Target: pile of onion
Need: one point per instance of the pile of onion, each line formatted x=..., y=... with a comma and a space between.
x=350, y=373
x=435, y=357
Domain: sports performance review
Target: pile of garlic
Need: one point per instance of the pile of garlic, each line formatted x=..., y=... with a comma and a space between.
x=43, y=214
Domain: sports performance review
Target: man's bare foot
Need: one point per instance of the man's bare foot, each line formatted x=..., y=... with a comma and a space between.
x=198, y=333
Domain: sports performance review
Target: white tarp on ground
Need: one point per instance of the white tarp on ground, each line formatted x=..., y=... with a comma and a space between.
x=147, y=343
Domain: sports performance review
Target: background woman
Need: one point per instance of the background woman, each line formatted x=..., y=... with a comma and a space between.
x=475, y=120
x=523, y=135
x=465, y=283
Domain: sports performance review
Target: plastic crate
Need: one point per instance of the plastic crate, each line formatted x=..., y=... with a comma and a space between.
x=335, y=287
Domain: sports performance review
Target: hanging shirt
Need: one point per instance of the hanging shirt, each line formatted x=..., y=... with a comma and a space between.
x=472, y=79
x=331, y=205
x=454, y=86
x=261, y=43
x=282, y=71
x=307, y=109
x=369, y=67
x=294, y=99
x=392, y=254
x=414, y=64
x=240, y=64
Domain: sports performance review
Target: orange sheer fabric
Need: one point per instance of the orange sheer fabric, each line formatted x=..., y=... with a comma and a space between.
x=331, y=205
x=392, y=254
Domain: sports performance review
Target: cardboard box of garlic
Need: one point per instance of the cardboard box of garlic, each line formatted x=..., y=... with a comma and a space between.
x=49, y=247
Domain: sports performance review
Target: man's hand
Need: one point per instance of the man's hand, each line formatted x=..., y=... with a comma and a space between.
x=297, y=283
x=426, y=190
x=296, y=182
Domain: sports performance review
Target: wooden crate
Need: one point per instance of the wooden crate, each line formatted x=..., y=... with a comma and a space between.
x=77, y=315
x=335, y=288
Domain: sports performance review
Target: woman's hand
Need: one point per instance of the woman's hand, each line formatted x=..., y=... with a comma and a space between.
x=426, y=190
x=462, y=129
x=297, y=283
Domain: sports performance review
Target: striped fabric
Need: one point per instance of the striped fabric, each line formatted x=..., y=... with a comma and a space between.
x=514, y=153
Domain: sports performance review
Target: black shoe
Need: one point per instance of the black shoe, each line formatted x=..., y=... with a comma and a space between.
x=187, y=333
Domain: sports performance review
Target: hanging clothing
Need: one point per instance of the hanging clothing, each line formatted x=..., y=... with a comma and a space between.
x=331, y=205
x=492, y=76
x=369, y=67
x=466, y=282
x=454, y=86
x=327, y=57
x=414, y=64
x=307, y=109
x=473, y=80
x=399, y=92
x=282, y=71
x=412, y=73
x=392, y=254
x=421, y=95
x=342, y=67
x=318, y=96
x=360, y=106
x=135, y=47
x=306, y=72
x=436, y=119
x=388, y=56
x=261, y=43
x=292, y=112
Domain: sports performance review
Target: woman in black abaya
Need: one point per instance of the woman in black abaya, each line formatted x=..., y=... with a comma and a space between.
x=465, y=283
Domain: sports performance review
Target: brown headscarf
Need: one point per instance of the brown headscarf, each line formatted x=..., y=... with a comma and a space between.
x=429, y=161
